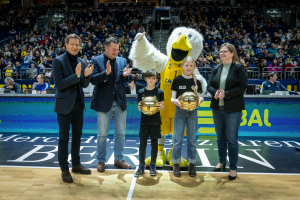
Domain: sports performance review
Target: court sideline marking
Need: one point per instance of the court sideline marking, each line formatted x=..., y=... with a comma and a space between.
x=200, y=172
x=130, y=192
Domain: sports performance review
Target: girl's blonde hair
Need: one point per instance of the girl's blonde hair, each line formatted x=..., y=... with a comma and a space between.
x=189, y=58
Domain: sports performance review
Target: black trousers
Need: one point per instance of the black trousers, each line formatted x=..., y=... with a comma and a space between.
x=75, y=118
x=142, y=150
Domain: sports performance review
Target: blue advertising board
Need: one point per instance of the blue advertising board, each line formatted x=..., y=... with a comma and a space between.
x=262, y=117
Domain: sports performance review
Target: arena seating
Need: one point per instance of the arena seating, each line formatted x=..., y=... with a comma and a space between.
x=217, y=22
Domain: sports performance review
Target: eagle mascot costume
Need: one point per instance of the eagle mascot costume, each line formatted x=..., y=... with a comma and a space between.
x=182, y=42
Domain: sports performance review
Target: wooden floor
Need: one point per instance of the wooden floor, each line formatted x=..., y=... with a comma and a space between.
x=34, y=183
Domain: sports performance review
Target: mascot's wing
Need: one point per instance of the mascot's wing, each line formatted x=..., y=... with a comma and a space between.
x=145, y=56
x=203, y=82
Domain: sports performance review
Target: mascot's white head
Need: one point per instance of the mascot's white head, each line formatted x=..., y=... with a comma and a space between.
x=184, y=42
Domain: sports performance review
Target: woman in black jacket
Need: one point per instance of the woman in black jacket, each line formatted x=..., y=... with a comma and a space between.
x=133, y=87
x=227, y=85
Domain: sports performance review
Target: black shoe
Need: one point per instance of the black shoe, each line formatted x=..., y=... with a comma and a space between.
x=140, y=171
x=297, y=148
x=176, y=170
x=152, y=169
x=192, y=171
x=66, y=177
x=219, y=169
x=231, y=178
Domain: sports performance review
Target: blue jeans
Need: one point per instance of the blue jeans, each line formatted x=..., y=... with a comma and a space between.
x=190, y=119
x=227, y=125
x=104, y=118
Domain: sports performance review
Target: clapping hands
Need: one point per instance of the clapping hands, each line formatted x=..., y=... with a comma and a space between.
x=126, y=71
x=88, y=70
x=220, y=94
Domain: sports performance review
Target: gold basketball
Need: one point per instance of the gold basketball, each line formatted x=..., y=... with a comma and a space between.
x=149, y=105
x=189, y=101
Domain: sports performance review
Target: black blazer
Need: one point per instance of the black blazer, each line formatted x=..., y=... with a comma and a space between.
x=236, y=84
x=138, y=87
x=157, y=23
x=66, y=81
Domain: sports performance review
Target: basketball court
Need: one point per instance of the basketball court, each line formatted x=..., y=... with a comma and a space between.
x=268, y=168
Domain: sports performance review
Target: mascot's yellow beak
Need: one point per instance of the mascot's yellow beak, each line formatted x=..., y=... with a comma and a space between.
x=181, y=48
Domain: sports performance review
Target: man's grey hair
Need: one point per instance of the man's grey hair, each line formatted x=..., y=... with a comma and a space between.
x=73, y=36
x=110, y=40
x=8, y=79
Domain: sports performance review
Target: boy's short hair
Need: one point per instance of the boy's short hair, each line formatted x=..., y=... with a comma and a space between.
x=151, y=73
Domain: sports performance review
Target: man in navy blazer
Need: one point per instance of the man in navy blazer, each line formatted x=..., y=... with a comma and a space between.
x=109, y=101
x=70, y=76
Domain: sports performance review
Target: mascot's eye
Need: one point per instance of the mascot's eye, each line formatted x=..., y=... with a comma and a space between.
x=179, y=33
x=190, y=36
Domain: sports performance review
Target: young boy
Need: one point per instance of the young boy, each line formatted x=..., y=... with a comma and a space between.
x=150, y=125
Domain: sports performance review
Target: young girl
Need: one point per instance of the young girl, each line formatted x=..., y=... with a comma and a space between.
x=42, y=85
x=9, y=71
x=210, y=56
x=186, y=82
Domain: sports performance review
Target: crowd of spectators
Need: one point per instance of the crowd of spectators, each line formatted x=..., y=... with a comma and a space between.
x=259, y=43
x=37, y=49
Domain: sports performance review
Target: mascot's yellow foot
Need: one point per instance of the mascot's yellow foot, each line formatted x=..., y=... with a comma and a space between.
x=160, y=160
x=147, y=161
x=170, y=158
x=184, y=162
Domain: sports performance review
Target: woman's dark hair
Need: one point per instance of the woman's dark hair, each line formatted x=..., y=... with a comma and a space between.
x=276, y=65
x=151, y=73
x=134, y=79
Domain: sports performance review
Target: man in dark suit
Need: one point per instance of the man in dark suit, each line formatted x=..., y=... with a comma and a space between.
x=109, y=101
x=69, y=78
x=157, y=22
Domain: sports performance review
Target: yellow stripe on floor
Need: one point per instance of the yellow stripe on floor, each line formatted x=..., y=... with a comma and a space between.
x=205, y=104
x=207, y=130
x=205, y=121
x=204, y=113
